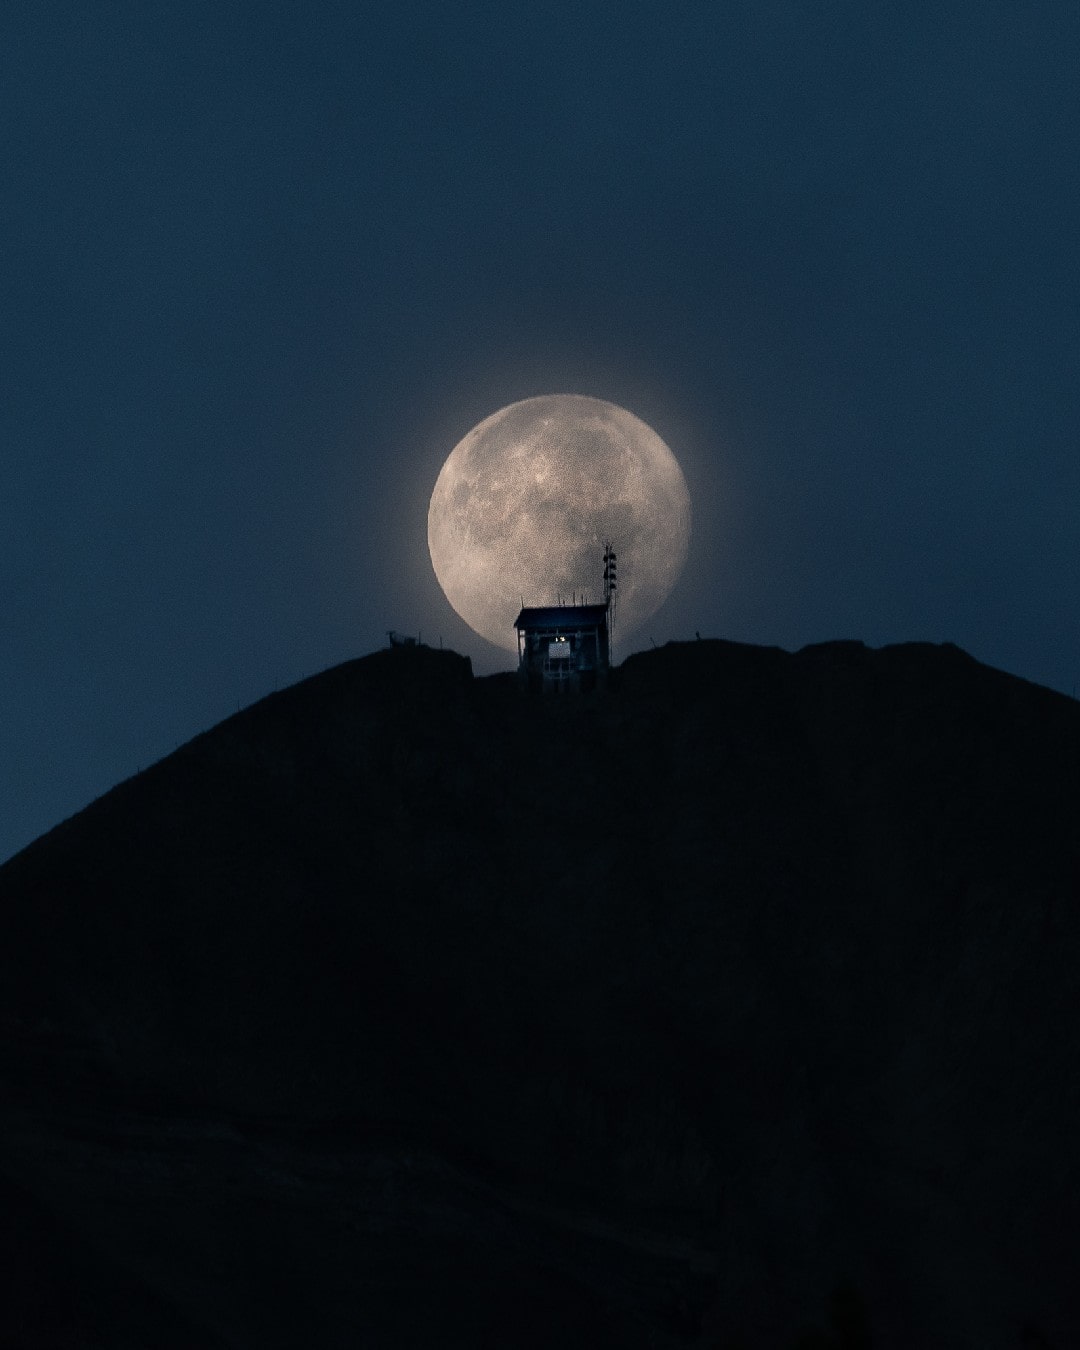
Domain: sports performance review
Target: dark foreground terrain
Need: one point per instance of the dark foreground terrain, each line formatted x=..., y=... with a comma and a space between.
x=737, y=1007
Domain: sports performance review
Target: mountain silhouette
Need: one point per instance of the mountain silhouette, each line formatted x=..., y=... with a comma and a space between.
x=736, y=1006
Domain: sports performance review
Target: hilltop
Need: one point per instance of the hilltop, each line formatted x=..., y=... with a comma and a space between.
x=402, y=1009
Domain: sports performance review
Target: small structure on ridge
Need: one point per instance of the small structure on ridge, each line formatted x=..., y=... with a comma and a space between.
x=567, y=648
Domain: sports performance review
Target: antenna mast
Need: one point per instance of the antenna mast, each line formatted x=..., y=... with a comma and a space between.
x=610, y=584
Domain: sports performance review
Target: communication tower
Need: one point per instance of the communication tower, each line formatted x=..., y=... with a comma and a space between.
x=610, y=585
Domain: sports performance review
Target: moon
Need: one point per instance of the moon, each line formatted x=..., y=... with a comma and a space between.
x=525, y=502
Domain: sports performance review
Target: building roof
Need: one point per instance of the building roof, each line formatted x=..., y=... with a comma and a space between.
x=564, y=617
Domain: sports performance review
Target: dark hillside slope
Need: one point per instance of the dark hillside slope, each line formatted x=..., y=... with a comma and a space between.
x=402, y=1009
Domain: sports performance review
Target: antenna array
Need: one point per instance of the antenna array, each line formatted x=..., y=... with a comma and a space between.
x=610, y=584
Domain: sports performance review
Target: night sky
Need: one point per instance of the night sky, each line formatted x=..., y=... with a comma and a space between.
x=263, y=265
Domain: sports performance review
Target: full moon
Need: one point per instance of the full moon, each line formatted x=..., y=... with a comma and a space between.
x=525, y=502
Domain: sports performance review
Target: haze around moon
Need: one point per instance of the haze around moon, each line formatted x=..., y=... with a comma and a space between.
x=525, y=502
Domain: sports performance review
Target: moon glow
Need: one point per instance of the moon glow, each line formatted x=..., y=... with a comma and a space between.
x=525, y=501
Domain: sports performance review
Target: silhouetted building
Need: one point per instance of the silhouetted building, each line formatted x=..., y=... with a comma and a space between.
x=563, y=647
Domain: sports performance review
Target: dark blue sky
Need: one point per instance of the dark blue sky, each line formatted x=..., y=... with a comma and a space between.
x=264, y=264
